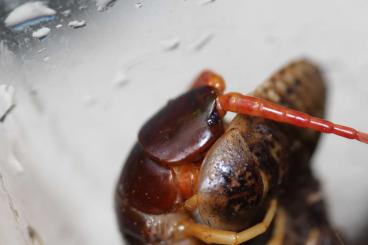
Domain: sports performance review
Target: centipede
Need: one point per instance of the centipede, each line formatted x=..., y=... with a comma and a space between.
x=194, y=178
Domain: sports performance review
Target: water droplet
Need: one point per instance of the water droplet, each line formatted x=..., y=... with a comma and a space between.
x=83, y=7
x=66, y=13
x=41, y=33
x=201, y=42
x=120, y=79
x=77, y=24
x=41, y=50
x=170, y=44
x=46, y=58
x=6, y=100
x=205, y=2
x=139, y=5
x=29, y=13
x=103, y=5
x=59, y=26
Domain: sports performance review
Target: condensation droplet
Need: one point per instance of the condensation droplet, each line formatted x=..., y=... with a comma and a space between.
x=47, y=58
x=103, y=5
x=77, y=23
x=59, y=26
x=41, y=33
x=120, y=79
x=170, y=44
x=205, y=2
x=66, y=13
x=201, y=42
x=83, y=7
x=28, y=14
x=139, y=5
x=41, y=50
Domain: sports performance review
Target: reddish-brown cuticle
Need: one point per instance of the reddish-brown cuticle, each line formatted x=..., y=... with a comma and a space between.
x=147, y=185
x=219, y=108
x=184, y=129
x=345, y=131
x=209, y=78
x=186, y=176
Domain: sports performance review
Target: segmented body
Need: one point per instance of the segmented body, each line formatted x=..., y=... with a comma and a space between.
x=300, y=194
x=254, y=160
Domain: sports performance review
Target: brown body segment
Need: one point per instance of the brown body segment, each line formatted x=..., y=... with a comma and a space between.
x=249, y=164
x=186, y=127
x=154, y=191
x=254, y=155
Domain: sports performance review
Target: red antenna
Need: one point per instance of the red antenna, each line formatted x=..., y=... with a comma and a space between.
x=253, y=106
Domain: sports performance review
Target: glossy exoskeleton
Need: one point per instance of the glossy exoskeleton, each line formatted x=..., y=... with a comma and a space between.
x=193, y=179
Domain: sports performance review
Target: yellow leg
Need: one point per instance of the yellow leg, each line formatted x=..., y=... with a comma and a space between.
x=279, y=230
x=209, y=235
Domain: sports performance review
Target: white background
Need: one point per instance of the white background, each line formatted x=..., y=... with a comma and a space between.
x=73, y=127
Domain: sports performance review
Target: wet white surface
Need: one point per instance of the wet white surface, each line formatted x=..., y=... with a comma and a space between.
x=71, y=149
